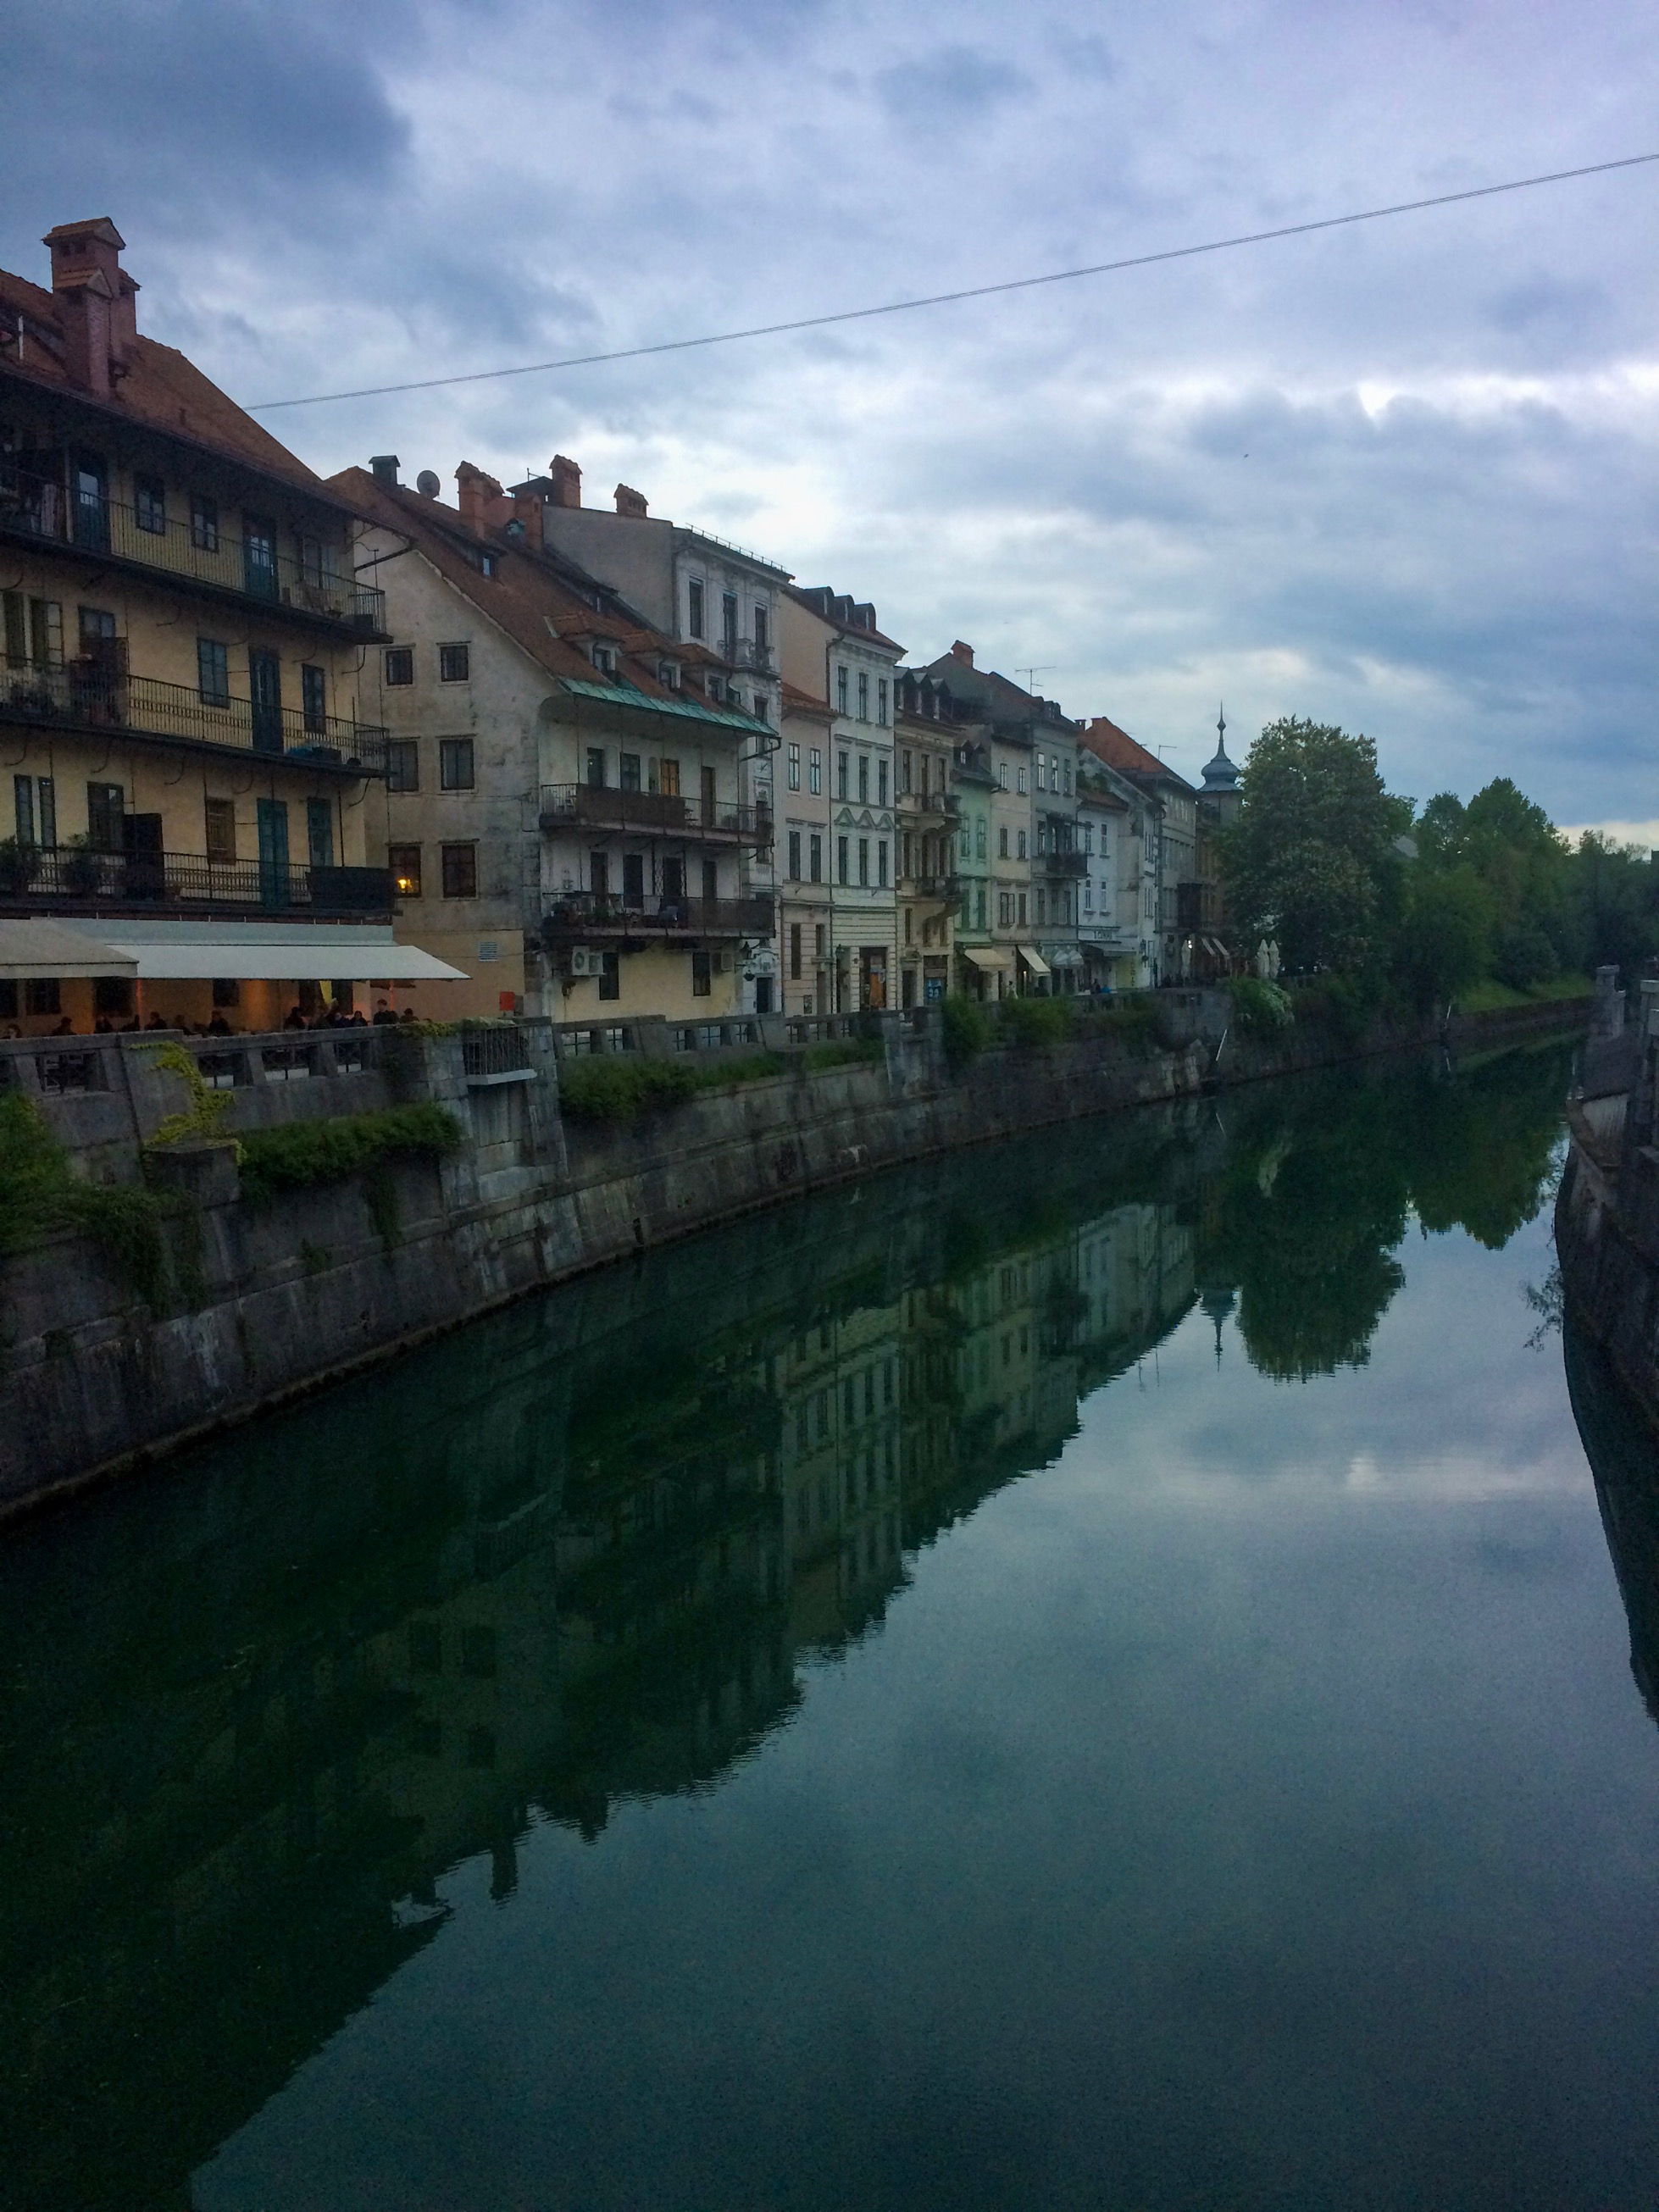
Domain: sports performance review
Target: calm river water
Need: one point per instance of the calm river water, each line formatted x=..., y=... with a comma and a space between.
x=1085, y=1675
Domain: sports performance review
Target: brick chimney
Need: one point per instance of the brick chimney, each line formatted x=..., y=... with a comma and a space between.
x=962, y=653
x=384, y=469
x=484, y=506
x=95, y=300
x=528, y=509
x=631, y=503
x=566, y=479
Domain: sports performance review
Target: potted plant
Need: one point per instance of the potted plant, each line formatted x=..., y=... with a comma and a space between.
x=80, y=870
x=19, y=864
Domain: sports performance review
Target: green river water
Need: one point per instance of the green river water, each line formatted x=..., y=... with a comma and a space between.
x=1087, y=1673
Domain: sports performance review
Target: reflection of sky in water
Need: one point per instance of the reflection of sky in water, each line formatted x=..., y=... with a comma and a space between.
x=1252, y=1809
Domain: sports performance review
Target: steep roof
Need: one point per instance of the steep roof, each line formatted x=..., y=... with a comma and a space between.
x=1126, y=754
x=542, y=602
x=160, y=388
x=822, y=601
x=993, y=696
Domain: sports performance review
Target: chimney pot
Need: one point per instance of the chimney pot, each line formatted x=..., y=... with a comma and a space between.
x=962, y=653
x=631, y=503
x=566, y=481
x=94, y=300
x=385, y=466
x=529, y=513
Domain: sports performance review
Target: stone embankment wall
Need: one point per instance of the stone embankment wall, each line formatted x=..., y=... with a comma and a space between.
x=274, y=1299
x=1606, y=1212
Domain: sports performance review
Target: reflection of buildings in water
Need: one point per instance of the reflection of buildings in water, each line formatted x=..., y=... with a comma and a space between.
x=1624, y=1460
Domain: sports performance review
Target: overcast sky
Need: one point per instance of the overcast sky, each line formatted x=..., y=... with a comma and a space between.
x=1400, y=477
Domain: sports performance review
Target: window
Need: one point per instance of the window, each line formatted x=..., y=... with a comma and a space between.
x=454, y=663
x=979, y=904
x=881, y=863
x=1002, y=776
x=702, y=972
x=1043, y=775
x=694, y=607
x=864, y=862
x=881, y=782
x=1042, y=908
x=402, y=764
x=795, y=768
x=150, y=504
x=45, y=792
x=319, y=833
x=794, y=856
x=630, y=776
x=221, y=824
x=668, y=772
x=668, y=675
x=112, y=995
x=1003, y=909
x=760, y=633
x=881, y=700
x=729, y=623
x=1020, y=781
x=611, y=976
x=762, y=707
x=1053, y=771
x=906, y=761
x=821, y=943
x=455, y=771
x=843, y=770
x=212, y=671
x=1022, y=845
x=864, y=696
x=399, y=665
x=815, y=769
x=460, y=871
x=311, y=562
x=258, y=556
x=23, y=801
x=40, y=995
x=1022, y=909
x=1066, y=770
x=404, y=862
x=864, y=779
x=314, y=696
x=604, y=660
x=97, y=630
x=106, y=806
x=1002, y=843
x=204, y=523
x=794, y=952
x=815, y=858
x=841, y=690
x=967, y=841
x=841, y=876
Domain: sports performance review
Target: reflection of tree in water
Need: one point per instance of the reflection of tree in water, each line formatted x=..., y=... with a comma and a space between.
x=1321, y=1179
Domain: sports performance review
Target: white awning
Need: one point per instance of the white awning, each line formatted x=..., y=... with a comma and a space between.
x=989, y=958
x=1033, y=959
x=255, y=952
x=40, y=948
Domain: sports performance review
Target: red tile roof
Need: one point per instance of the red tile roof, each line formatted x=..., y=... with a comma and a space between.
x=161, y=389
x=1120, y=750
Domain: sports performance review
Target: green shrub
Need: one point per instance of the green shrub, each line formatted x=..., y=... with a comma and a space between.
x=304, y=1153
x=1132, y=1022
x=967, y=1030
x=1033, y=1024
x=38, y=1195
x=1259, y=1008
x=621, y=1086
x=755, y=1067
x=842, y=1052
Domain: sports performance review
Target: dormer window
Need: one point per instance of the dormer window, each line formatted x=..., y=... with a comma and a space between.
x=604, y=660
x=668, y=675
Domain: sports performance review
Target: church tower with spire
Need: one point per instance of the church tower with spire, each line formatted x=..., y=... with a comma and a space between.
x=1221, y=778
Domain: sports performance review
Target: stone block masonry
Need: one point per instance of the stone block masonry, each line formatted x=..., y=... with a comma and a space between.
x=269, y=1299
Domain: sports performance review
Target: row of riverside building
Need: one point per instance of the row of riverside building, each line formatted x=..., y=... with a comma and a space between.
x=278, y=741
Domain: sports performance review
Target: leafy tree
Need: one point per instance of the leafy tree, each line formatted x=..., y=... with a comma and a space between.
x=1615, y=906
x=1310, y=860
x=1443, y=943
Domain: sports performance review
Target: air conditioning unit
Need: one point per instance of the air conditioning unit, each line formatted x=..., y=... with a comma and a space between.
x=585, y=963
x=719, y=963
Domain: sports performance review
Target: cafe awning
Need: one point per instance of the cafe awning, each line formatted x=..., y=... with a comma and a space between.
x=1033, y=959
x=251, y=952
x=41, y=948
x=991, y=959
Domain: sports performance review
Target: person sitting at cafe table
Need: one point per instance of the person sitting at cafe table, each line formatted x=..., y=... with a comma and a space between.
x=383, y=1014
x=294, y=1019
x=156, y=1023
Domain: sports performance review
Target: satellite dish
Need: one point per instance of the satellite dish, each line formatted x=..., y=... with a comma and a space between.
x=427, y=483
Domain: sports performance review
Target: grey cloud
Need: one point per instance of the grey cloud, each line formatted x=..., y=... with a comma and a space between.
x=949, y=83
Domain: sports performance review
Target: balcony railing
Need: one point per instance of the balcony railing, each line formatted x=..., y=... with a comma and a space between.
x=91, y=695
x=247, y=564
x=943, y=804
x=1068, y=863
x=945, y=889
x=654, y=813
x=744, y=652
x=184, y=882
x=578, y=916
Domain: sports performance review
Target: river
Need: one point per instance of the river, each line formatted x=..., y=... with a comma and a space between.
x=1088, y=1673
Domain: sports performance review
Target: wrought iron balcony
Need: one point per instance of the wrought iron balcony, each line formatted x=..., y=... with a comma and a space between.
x=1069, y=862
x=73, y=877
x=93, y=695
x=745, y=652
x=942, y=806
x=654, y=814
x=577, y=917
x=944, y=890
x=245, y=564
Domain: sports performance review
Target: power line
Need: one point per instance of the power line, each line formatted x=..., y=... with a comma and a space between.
x=969, y=292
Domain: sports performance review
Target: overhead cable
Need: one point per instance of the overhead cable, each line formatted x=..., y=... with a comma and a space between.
x=968, y=292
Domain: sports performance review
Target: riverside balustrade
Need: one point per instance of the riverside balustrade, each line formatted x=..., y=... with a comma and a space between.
x=91, y=694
